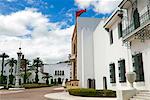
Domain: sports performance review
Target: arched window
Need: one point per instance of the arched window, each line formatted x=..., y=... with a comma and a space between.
x=55, y=72
x=62, y=72
x=58, y=72
x=136, y=18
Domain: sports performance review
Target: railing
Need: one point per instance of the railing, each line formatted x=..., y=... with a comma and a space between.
x=143, y=19
x=128, y=30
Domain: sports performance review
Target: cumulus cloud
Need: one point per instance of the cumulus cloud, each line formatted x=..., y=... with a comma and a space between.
x=99, y=6
x=38, y=36
x=83, y=3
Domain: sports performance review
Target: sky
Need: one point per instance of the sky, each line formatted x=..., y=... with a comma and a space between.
x=43, y=28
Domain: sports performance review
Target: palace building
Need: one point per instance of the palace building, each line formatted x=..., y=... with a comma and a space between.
x=105, y=50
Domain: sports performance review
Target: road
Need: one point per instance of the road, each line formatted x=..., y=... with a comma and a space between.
x=29, y=94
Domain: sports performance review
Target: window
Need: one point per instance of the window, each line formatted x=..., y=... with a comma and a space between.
x=112, y=73
x=120, y=30
x=111, y=37
x=58, y=73
x=55, y=72
x=62, y=72
x=138, y=67
x=122, y=71
x=74, y=69
x=136, y=18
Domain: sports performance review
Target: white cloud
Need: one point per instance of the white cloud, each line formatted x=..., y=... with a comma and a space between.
x=83, y=3
x=99, y=6
x=48, y=40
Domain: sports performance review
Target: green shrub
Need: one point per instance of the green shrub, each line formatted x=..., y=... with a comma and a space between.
x=5, y=86
x=28, y=86
x=91, y=92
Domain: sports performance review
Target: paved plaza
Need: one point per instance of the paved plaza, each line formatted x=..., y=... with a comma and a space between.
x=28, y=94
x=47, y=93
x=66, y=96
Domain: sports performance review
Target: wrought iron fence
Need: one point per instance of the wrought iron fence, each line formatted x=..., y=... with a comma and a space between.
x=143, y=19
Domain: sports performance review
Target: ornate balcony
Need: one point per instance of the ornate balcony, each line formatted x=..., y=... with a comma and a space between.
x=142, y=32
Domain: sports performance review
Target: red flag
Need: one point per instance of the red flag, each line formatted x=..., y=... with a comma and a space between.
x=78, y=13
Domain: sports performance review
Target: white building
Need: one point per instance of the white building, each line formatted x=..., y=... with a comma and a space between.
x=105, y=57
x=129, y=31
x=129, y=37
x=100, y=44
x=59, y=72
x=137, y=33
x=117, y=52
x=91, y=50
x=41, y=75
x=7, y=71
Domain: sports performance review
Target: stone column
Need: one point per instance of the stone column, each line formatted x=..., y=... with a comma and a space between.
x=18, y=68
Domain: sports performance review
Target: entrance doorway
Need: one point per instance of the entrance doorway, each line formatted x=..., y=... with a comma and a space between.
x=91, y=83
x=104, y=82
x=59, y=80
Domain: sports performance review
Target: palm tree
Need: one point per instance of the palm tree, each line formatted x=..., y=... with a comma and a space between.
x=24, y=64
x=28, y=74
x=36, y=64
x=12, y=62
x=3, y=56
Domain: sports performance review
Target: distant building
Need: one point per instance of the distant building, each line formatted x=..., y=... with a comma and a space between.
x=30, y=79
x=60, y=72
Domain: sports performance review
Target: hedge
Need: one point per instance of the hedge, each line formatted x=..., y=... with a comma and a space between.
x=92, y=92
x=28, y=86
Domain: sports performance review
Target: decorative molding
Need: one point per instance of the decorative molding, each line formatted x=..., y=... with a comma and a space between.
x=128, y=44
x=143, y=34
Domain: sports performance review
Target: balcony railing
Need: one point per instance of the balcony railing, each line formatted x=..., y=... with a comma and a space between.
x=143, y=19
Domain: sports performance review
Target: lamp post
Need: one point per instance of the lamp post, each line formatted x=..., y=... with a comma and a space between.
x=18, y=68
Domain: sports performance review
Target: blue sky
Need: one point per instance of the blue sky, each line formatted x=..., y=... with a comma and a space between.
x=55, y=10
x=44, y=27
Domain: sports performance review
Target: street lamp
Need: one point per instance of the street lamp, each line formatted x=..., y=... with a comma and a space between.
x=19, y=53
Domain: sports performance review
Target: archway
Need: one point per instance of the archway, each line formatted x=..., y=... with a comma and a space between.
x=59, y=81
x=104, y=82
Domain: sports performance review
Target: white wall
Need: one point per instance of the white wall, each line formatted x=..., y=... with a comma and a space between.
x=85, y=53
x=101, y=42
x=144, y=48
x=115, y=52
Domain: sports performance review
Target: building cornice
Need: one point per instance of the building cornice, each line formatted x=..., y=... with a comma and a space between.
x=117, y=14
x=122, y=3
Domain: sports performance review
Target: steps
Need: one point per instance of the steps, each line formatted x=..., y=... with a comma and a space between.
x=142, y=95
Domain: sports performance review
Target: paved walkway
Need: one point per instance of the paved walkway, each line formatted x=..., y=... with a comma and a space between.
x=28, y=94
x=66, y=96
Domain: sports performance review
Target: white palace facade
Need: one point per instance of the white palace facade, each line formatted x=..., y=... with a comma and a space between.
x=107, y=49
